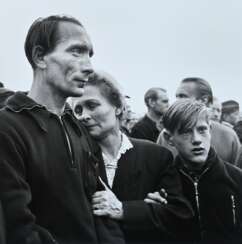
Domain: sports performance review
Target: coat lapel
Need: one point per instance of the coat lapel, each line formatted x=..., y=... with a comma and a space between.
x=127, y=176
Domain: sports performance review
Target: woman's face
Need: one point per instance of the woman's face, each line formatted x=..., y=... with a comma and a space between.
x=96, y=112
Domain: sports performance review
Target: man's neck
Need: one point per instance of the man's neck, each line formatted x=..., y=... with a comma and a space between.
x=42, y=94
x=153, y=116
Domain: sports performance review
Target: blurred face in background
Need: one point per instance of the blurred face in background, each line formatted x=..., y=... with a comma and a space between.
x=216, y=110
x=232, y=118
x=160, y=105
x=186, y=90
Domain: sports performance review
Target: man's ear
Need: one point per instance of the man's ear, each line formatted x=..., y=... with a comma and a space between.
x=168, y=137
x=38, y=57
x=151, y=102
x=204, y=99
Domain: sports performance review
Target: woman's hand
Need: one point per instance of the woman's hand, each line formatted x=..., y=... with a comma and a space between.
x=105, y=203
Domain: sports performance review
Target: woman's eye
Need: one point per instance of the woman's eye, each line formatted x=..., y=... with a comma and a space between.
x=78, y=110
x=92, y=106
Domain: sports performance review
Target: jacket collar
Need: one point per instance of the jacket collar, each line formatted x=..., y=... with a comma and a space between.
x=214, y=168
x=211, y=160
x=20, y=102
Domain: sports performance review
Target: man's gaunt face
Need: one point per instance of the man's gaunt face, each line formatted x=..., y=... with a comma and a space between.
x=194, y=144
x=68, y=66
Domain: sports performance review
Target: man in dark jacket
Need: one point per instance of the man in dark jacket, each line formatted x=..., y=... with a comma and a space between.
x=212, y=185
x=157, y=102
x=47, y=174
x=4, y=94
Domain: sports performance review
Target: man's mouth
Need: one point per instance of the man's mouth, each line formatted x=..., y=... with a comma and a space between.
x=80, y=82
x=198, y=150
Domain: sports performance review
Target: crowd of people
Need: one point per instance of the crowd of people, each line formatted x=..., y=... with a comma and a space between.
x=77, y=166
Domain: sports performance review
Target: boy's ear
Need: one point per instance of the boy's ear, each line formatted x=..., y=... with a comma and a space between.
x=38, y=57
x=168, y=137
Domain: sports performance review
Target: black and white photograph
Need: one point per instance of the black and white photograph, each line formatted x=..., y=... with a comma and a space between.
x=121, y=122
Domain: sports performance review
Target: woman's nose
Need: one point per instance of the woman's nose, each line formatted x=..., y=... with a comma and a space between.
x=84, y=117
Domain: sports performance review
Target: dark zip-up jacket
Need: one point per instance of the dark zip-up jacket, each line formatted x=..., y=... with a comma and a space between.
x=216, y=196
x=145, y=129
x=47, y=177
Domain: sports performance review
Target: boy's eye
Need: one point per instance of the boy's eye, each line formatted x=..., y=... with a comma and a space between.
x=202, y=129
x=186, y=132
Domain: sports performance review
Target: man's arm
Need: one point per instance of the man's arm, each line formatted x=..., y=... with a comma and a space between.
x=15, y=195
x=166, y=217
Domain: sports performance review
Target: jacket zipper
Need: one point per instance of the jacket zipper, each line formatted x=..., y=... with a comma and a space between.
x=195, y=184
x=67, y=140
x=233, y=209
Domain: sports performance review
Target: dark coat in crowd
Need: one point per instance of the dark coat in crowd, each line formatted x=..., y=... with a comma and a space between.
x=2, y=226
x=146, y=168
x=145, y=129
x=216, y=196
x=47, y=178
x=4, y=95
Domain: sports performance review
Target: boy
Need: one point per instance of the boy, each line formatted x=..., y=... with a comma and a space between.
x=212, y=186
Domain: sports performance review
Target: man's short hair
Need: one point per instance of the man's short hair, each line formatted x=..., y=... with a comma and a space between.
x=230, y=106
x=202, y=88
x=43, y=33
x=183, y=115
x=152, y=94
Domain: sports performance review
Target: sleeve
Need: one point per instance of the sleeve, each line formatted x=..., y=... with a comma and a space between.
x=164, y=218
x=15, y=195
x=2, y=226
x=235, y=154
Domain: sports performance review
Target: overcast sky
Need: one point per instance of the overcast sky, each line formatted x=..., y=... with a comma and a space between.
x=142, y=43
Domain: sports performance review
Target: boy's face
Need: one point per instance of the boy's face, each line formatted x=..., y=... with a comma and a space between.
x=194, y=144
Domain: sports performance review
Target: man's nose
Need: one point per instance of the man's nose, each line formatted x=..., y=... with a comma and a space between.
x=86, y=67
x=196, y=138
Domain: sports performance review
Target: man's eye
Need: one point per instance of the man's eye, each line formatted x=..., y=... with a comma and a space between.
x=76, y=50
